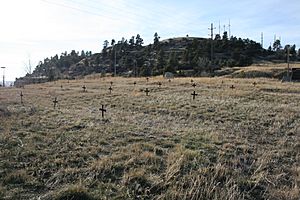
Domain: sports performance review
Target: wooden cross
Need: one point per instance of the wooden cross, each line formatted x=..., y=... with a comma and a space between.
x=194, y=85
x=147, y=91
x=111, y=83
x=110, y=89
x=84, y=88
x=232, y=87
x=102, y=110
x=21, y=95
x=159, y=84
x=55, y=102
x=194, y=95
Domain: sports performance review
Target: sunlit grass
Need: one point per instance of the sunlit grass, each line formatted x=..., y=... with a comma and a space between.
x=240, y=143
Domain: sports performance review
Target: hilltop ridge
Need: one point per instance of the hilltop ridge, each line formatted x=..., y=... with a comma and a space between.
x=183, y=56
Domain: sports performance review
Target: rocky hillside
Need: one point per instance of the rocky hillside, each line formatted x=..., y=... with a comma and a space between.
x=183, y=56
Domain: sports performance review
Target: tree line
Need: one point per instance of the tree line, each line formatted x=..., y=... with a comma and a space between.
x=177, y=55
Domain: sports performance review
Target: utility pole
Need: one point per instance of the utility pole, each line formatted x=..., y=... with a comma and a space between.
x=229, y=34
x=3, y=76
x=29, y=66
x=212, y=45
x=288, y=63
x=262, y=40
x=115, y=62
x=219, y=28
x=212, y=38
x=135, y=68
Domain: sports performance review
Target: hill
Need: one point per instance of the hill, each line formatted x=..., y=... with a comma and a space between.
x=184, y=56
x=235, y=140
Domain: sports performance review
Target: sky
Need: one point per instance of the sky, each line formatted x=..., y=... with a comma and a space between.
x=32, y=30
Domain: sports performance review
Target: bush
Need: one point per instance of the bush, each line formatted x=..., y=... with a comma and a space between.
x=75, y=192
x=4, y=112
x=18, y=177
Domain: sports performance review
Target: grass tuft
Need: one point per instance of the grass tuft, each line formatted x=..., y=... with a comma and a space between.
x=74, y=192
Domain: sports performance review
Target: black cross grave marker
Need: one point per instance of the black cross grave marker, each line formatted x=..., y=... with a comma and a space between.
x=102, y=110
x=55, y=102
x=134, y=83
x=147, y=91
x=232, y=87
x=111, y=83
x=194, y=85
x=110, y=89
x=21, y=95
x=194, y=95
x=159, y=84
x=84, y=88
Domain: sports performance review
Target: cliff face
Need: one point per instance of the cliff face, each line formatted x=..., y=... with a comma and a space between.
x=175, y=55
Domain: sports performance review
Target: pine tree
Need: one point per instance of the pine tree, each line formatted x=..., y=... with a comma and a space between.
x=156, y=40
x=138, y=40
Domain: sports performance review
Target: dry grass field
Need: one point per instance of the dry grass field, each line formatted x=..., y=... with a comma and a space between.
x=228, y=143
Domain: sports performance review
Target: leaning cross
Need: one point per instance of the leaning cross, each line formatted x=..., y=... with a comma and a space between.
x=84, y=88
x=55, y=102
x=147, y=92
x=102, y=110
x=21, y=95
x=194, y=95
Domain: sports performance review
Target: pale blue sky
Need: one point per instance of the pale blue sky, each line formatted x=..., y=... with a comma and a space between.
x=43, y=28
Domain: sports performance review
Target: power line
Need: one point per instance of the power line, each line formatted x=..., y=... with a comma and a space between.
x=124, y=10
x=78, y=9
x=132, y=18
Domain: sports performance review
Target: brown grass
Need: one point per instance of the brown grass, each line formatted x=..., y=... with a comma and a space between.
x=240, y=143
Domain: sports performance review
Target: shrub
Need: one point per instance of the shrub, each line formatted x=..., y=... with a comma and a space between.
x=18, y=177
x=74, y=192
